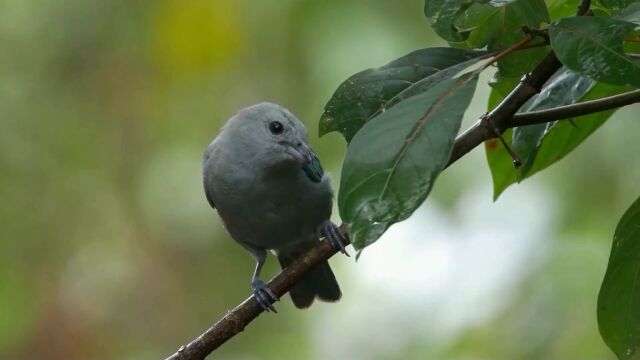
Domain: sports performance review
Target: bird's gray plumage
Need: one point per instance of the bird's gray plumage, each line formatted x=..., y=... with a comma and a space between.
x=271, y=192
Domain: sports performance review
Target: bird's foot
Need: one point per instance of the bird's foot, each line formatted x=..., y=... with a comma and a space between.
x=334, y=235
x=264, y=296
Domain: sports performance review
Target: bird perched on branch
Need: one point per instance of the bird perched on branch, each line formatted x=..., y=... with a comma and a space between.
x=272, y=194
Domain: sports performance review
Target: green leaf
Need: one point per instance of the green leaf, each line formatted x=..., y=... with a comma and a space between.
x=365, y=94
x=477, y=24
x=592, y=46
x=503, y=173
x=531, y=13
x=441, y=15
x=562, y=8
x=616, y=5
x=498, y=159
x=498, y=25
x=393, y=161
x=557, y=141
x=564, y=87
x=619, y=298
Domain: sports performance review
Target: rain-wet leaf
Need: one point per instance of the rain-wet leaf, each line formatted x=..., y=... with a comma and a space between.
x=592, y=46
x=619, y=298
x=564, y=87
x=616, y=5
x=631, y=14
x=393, y=161
x=365, y=94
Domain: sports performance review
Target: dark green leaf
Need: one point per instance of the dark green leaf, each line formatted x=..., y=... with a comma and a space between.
x=477, y=23
x=592, y=46
x=498, y=26
x=619, y=298
x=531, y=13
x=367, y=93
x=441, y=14
x=393, y=161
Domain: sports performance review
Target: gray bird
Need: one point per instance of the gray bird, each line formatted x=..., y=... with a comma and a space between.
x=272, y=194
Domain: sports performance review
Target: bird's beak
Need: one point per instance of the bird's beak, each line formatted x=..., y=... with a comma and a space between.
x=300, y=151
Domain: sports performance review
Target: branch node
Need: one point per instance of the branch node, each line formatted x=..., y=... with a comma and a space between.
x=527, y=82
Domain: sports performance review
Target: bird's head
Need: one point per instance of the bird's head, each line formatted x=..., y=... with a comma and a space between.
x=267, y=129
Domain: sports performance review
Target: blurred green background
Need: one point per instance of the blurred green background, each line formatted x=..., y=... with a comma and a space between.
x=109, y=250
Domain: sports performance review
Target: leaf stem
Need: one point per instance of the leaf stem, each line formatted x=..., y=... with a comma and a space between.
x=509, y=50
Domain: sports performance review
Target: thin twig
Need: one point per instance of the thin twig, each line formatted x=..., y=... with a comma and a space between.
x=517, y=46
x=575, y=110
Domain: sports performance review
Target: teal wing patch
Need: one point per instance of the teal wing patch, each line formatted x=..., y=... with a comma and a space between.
x=313, y=169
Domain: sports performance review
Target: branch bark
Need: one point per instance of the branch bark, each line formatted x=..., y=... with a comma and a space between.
x=488, y=126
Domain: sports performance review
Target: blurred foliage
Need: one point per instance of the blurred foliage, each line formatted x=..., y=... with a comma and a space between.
x=108, y=248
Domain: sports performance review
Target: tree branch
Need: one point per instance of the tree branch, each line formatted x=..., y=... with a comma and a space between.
x=496, y=122
x=487, y=127
x=236, y=320
x=574, y=110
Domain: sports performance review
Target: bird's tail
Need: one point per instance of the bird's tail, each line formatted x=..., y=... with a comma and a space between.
x=319, y=282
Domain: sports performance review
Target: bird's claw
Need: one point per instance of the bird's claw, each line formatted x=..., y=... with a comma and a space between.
x=264, y=296
x=335, y=236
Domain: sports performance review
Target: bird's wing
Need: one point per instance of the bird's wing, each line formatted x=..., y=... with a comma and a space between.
x=209, y=197
x=207, y=192
x=313, y=168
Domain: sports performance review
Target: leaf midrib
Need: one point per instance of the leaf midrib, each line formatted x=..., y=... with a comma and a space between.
x=416, y=131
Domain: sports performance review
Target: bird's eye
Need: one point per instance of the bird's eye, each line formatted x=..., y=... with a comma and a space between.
x=276, y=127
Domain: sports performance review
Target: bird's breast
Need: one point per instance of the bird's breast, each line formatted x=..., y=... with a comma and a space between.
x=274, y=207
